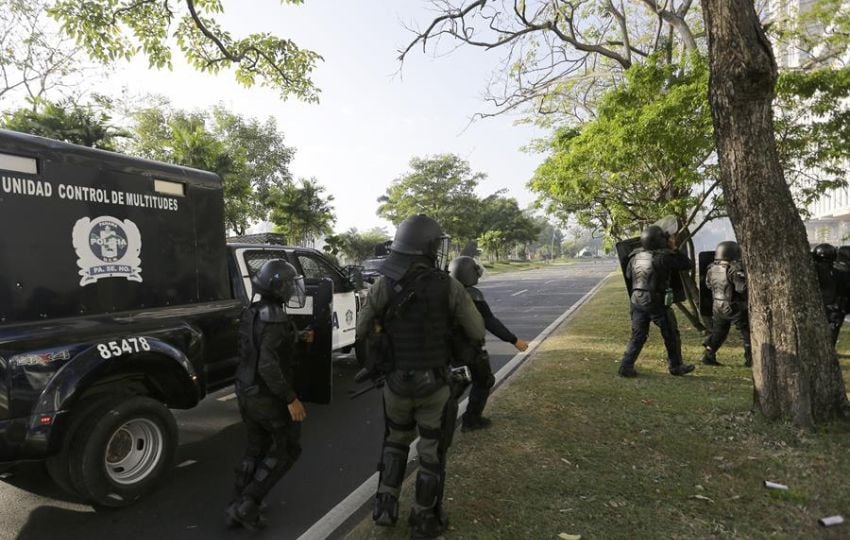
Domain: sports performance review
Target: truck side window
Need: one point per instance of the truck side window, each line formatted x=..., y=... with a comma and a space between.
x=316, y=268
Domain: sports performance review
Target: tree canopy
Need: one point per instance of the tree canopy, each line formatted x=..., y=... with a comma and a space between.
x=248, y=154
x=69, y=121
x=648, y=153
x=441, y=186
x=35, y=59
x=303, y=213
x=120, y=29
x=559, y=56
x=355, y=245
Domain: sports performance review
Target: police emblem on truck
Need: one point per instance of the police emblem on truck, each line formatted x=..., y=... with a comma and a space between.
x=107, y=247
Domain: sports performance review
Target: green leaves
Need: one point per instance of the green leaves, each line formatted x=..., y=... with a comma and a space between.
x=69, y=121
x=121, y=29
x=248, y=154
x=648, y=153
x=302, y=213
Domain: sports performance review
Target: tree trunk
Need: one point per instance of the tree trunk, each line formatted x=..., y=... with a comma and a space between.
x=795, y=369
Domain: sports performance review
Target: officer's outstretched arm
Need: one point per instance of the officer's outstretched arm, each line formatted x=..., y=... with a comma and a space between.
x=464, y=311
x=268, y=364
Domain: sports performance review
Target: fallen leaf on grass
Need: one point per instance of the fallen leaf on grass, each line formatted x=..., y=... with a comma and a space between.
x=566, y=461
x=703, y=498
x=565, y=536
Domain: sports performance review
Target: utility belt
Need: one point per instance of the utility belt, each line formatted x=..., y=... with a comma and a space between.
x=421, y=383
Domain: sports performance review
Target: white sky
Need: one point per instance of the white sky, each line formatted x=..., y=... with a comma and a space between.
x=370, y=121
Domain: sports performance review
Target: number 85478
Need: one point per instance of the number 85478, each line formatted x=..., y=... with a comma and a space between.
x=121, y=347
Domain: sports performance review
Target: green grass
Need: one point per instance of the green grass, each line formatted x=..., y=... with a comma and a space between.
x=575, y=449
x=500, y=267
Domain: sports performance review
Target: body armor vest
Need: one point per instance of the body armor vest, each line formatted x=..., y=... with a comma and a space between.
x=419, y=322
x=717, y=279
x=251, y=325
x=645, y=275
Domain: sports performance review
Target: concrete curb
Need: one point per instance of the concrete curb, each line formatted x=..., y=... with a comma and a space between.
x=342, y=512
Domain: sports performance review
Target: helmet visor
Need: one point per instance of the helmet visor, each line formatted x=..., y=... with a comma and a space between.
x=298, y=298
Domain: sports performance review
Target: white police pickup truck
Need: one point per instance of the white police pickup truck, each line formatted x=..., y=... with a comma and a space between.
x=251, y=251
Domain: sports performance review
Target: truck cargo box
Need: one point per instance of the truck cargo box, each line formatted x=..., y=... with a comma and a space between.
x=86, y=232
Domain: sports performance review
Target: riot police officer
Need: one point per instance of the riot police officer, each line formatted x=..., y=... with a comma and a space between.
x=842, y=267
x=467, y=270
x=268, y=404
x=648, y=271
x=727, y=281
x=830, y=282
x=417, y=306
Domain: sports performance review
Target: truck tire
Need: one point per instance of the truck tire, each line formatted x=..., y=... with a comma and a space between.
x=121, y=449
x=57, y=466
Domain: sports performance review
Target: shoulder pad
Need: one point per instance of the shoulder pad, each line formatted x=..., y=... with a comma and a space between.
x=271, y=312
x=476, y=294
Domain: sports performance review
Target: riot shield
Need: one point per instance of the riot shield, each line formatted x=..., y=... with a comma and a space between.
x=624, y=248
x=706, y=299
x=313, y=369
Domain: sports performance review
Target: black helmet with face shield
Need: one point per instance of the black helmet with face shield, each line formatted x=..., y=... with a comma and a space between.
x=417, y=238
x=280, y=281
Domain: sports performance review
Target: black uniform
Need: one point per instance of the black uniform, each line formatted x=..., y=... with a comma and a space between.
x=264, y=387
x=831, y=285
x=842, y=269
x=480, y=369
x=728, y=285
x=649, y=273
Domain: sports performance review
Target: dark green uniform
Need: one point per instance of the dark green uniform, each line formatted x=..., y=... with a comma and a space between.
x=418, y=313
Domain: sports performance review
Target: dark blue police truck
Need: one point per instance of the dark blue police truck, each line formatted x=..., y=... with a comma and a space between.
x=119, y=300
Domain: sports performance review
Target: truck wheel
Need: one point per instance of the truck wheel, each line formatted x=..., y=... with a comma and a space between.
x=121, y=450
x=57, y=466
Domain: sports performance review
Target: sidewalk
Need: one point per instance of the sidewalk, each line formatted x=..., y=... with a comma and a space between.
x=576, y=450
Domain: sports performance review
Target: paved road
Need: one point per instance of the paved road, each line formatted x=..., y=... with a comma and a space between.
x=341, y=443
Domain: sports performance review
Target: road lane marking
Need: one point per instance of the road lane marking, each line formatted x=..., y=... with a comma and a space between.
x=339, y=514
x=520, y=292
x=228, y=397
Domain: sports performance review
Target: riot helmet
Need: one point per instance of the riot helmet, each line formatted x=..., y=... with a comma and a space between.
x=416, y=237
x=825, y=252
x=727, y=251
x=280, y=280
x=653, y=237
x=466, y=270
x=844, y=254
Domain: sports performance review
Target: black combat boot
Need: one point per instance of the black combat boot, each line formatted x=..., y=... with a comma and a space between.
x=385, y=513
x=681, y=369
x=427, y=524
x=474, y=423
x=710, y=359
x=246, y=513
x=627, y=371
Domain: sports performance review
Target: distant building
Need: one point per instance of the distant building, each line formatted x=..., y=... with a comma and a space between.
x=830, y=215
